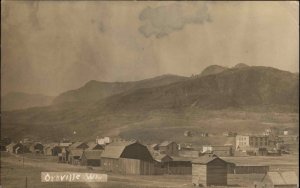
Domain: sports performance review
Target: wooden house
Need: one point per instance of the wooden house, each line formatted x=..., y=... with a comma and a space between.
x=209, y=170
x=242, y=168
x=154, y=147
x=91, y=158
x=127, y=158
x=95, y=146
x=36, y=147
x=179, y=166
x=278, y=180
x=78, y=145
x=20, y=148
x=74, y=156
x=169, y=148
x=188, y=153
x=222, y=151
x=52, y=149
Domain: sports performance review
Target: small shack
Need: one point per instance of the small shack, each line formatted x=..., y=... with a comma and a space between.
x=95, y=146
x=287, y=179
x=209, y=170
x=91, y=158
x=52, y=149
x=74, y=156
x=169, y=148
x=127, y=157
x=37, y=148
x=20, y=148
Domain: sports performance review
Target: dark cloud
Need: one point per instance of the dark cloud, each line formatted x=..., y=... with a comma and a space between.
x=164, y=20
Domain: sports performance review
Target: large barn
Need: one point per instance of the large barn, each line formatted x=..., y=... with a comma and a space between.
x=127, y=158
x=209, y=170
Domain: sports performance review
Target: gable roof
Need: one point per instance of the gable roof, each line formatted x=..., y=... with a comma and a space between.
x=76, y=144
x=115, y=149
x=283, y=178
x=162, y=157
x=76, y=152
x=207, y=159
x=92, y=154
x=166, y=143
x=64, y=144
x=93, y=145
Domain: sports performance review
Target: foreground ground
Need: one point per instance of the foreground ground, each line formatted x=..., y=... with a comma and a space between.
x=14, y=172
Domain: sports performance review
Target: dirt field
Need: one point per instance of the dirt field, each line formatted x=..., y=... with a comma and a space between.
x=13, y=174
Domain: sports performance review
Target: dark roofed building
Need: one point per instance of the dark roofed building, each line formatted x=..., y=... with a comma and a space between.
x=78, y=145
x=169, y=148
x=127, y=158
x=95, y=146
x=209, y=170
x=91, y=158
x=74, y=156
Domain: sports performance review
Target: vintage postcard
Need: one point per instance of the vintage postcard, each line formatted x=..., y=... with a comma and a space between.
x=149, y=94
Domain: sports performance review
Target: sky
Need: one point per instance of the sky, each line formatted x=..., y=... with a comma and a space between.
x=50, y=47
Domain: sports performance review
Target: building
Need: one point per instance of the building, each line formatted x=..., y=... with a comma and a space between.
x=209, y=170
x=229, y=134
x=169, y=148
x=91, y=158
x=287, y=179
x=178, y=166
x=78, y=145
x=188, y=153
x=247, y=141
x=187, y=133
x=52, y=149
x=154, y=147
x=242, y=168
x=103, y=141
x=20, y=148
x=74, y=156
x=95, y=146
x=127, y=158
x=204, y=134
x=223, y=151
x=36, y=147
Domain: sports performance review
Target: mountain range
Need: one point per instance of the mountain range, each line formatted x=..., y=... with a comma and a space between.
x=21, y=100
x=103, y=105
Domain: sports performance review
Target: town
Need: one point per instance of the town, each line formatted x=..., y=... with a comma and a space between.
x=208, y=165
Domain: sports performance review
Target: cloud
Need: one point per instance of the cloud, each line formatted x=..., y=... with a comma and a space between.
x=163, y=20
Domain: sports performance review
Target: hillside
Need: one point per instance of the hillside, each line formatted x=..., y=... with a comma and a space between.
x=19, y=100
x=96, y=90
x=242, y=97
x=251, y=86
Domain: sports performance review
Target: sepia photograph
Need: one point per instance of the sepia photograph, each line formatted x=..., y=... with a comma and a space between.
x=149, y=94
